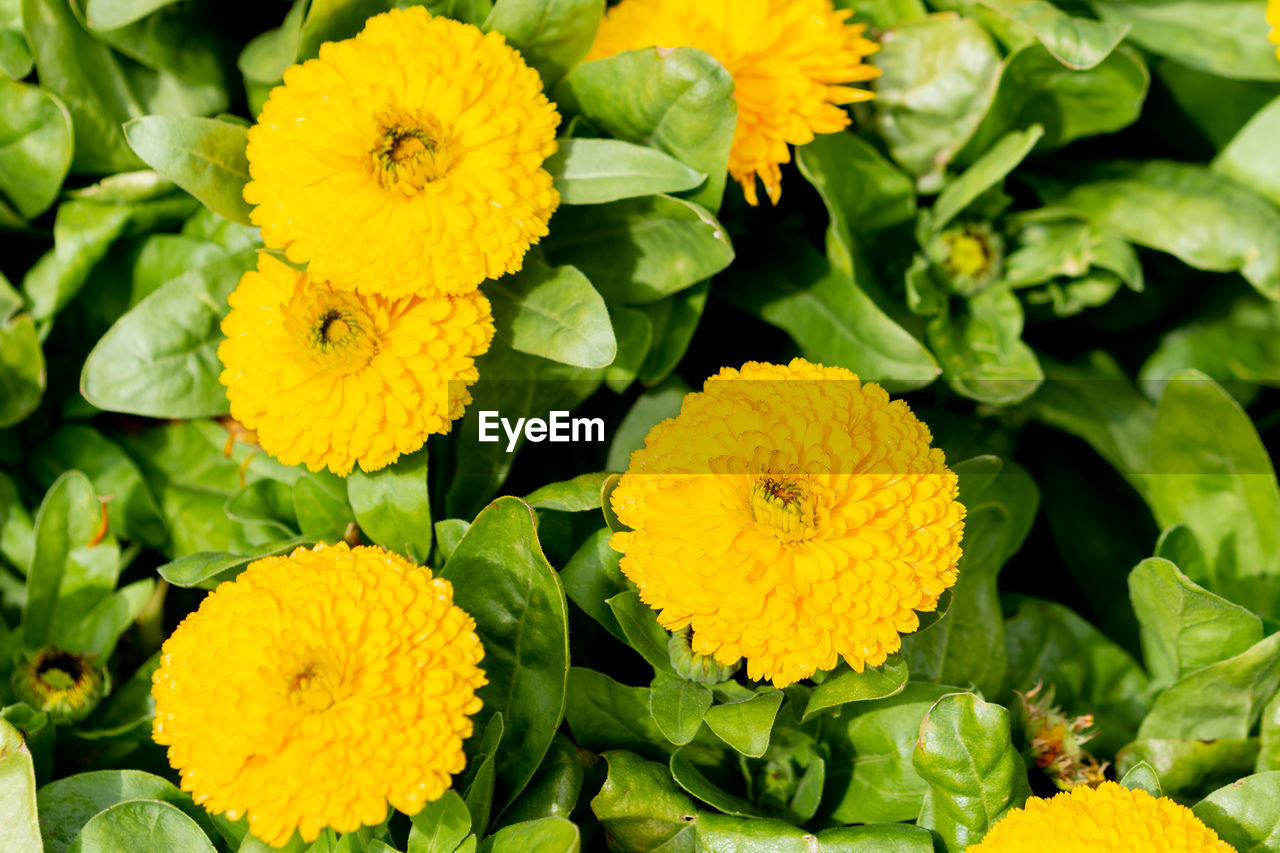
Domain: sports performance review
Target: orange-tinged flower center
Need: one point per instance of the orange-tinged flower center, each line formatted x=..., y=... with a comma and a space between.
x=333, y=327
x=411, y=151
x=314, y=689
x=786, y=505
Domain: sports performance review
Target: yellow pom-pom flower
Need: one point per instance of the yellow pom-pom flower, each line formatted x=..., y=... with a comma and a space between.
x=1273, y=18
x=792, y=516
x=407, y=159
x=316, y=689
x=330, y=377
x=790, y=61
x=1106, y=819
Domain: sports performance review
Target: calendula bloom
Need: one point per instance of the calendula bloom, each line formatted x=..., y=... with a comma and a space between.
x=1106, y=819
x=63, y=685
x=792, y=516
x=407, y=159
x=330, y=377
x=790, y=61
x=1273, y=18
x=316, y=689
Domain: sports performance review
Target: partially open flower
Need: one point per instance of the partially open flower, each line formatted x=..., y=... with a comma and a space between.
x=792, y=516
x=63, y=685
x=1106, y=819
x=1056, y=741
x=967, y=258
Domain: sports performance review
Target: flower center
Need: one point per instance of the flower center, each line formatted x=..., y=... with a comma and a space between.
x=59, y=670
x=968, y=255
x=787, y=505
x=311, y=690
x=333, y=326
x=411, y=150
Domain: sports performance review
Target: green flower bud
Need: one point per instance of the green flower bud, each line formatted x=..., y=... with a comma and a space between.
x=967, y=258
x=695, y=667
x=66, y=686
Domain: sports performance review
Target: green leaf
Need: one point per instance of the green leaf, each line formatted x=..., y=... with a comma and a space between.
x=678, y=706
x=141, y=825
x=1220, y=701
x=482, y=774
x=1240, y=345
x=551, y=35
x=82, y=233
x=580, y=494
x=392, y=507
x=604, y=714
x=639, y=624
x=207, y=569
x=1214, y=105
x=22, y=369
x=634, y=333
x=204, y=156
x=19, y=831
x=875, y=838
x=974, y=774
x=592, y=577
x=1142, y=777
x=502, y=579
x=746, y=724
x=846, y=685
x=160, y=359
x=832, y=319
x=640, y=249
x=940, y=75
x=878, y=782
x=679, y=101
x=1218, y=36
x=554, y=313
x=1245, y=814
x=642, y=809
x=673, y=321
x=320, y=503
x=594, y=171
x=1247, y=161
x=441, y=825
x=1079, y=43
x=1190, y=768
x=554, y=789
x=988, y=171
x=15, y=57
x=68, y=803
x=1184, y=626
x=35, y=146
x=689, y=777
x=1207, y=221
x=546, y=835
x=1210, y=471
x=981, y=351
x=110, y=14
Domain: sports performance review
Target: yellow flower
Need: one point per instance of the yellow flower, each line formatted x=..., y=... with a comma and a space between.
x=317, y=688
x=1106, y=819
x=1273, y=18
x=789, y=59
x=790, y=515
x=330, y=377
x=407, y=159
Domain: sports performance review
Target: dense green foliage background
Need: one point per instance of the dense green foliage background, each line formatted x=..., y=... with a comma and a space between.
x=1104, y=381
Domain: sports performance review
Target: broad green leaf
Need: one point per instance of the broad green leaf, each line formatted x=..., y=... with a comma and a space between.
x=1240, y=345
x=634, y=333
x=650, y=408
x=845, y=685
x=1269, y=736
x=678, y=706
x=1142, y=777
x=481, y=773
x=320, y=503
x=554, y=789
x=753, y=835
x=640, y=249
x=1245, y=814
x=1207, y=221
x=679, y=101
x=110, y=14
x=207, y=569
x=642, y=809
x=35, y=146
x=592, y=577
x=1220, y=701
x=973, y=771
x=160, y=359
x=554, y=313
x=15, y=56
x=595, y=171
x=875, y=838
x=987, y=171
x=19, y=831
x=1210, y=471
x=392, y=507
x=17, y=528
x=1219, y=108
x=580, y=494
x=1218, y=36
x=940, y=76
x=1247, y=159
x=878, y=782
x=981, y=350
x=882, y=13
x=831, y=318
x=265, y=58
x=639, y=624
x=22, y=369
x=82, y=233
x=502, y=579
x=1079, y=43
x=546, y=835
x=68, y=803
x=440, y=826
x=1056, y=244
x=1191, y=768
x=1184, y=626
x=308, y=24
x=689, y=777
x=551, y=35
x=204, y=156
x=604, y=714
x=141, y=825
x=673, y=321
x=746, y=724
